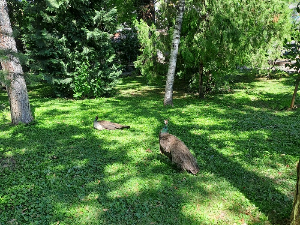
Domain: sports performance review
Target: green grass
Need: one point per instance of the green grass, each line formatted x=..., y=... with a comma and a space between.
x=60, y=170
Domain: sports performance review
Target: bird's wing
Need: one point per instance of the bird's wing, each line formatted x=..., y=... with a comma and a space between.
x=107, y=125
x=111, y=126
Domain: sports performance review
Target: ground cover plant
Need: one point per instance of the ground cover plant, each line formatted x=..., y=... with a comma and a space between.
x=60, y=170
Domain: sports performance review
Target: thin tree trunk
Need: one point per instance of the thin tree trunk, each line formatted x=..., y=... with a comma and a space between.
x=295, y=217
x=295, y=93
x=15, y=82
x=201, y=87
x=168, y=100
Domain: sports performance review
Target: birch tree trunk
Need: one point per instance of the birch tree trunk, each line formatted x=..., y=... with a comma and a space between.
x=168, y=100
x=295, y=217
x=14, y=80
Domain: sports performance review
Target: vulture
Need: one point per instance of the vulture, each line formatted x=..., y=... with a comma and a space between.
x=107, y=125
x=177, y=151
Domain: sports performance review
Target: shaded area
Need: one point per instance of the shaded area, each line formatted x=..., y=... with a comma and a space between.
x=65, y=171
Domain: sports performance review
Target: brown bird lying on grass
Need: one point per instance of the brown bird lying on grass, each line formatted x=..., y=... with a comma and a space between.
x=177, y=151
x=107, y=125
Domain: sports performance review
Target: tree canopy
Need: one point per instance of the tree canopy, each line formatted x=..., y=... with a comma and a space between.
x=69, y=43
x=222, y=35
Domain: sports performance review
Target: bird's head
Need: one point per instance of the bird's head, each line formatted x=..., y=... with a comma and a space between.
x=165, y=128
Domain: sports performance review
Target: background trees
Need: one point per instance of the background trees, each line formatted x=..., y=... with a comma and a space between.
x=229, y=35
x=219, y=36
x=292, y=51
x=67, y=44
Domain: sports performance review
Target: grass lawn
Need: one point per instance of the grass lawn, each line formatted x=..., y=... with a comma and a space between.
x=60, y=170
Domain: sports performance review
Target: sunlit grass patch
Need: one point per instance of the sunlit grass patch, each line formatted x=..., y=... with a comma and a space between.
x=61, y=170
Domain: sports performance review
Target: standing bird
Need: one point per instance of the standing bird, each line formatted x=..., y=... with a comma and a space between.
x=177, y=151
x=107, y=125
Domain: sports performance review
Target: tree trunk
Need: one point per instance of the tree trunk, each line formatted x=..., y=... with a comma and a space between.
x=295, y=217
x=168, y=100
x=295, y=92
x=15, y=82
x=201, y=87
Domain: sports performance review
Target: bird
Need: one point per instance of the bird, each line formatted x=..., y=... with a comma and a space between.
x=177, y=151
x=107, y=125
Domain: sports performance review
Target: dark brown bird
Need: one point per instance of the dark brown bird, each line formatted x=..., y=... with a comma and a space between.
x=177, y=151
x=107, y=125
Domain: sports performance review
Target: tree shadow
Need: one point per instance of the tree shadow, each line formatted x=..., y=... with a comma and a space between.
x=262, y=127
x=65, y=172
x=70, y=173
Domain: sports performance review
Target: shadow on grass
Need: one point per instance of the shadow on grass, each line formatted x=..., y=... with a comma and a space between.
x=261, y=190
x=70, y=174
x=268, y=133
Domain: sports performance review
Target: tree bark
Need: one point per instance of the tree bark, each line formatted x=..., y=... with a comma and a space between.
x=295, y=92
x=168, y=100
x=15, y=82
x=295, y=217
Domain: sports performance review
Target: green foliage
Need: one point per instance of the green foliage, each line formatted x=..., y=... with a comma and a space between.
x=62, y=171
x=231, y=34
x=151, y=44
x=127, y=46
x=219, y=35
x=61, y=38
x=82, y=81
x=87, y=85
x=292, y=45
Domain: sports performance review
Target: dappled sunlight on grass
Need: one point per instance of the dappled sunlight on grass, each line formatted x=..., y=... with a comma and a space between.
x=84, y=214
x=118, y=171
x=61, y=170
x=133, y=186
x=216, y=206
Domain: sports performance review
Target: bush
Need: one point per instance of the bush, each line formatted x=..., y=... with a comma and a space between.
x=69, y=45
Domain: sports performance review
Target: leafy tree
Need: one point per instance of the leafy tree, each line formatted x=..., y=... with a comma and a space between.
x=131, y=10
x=68, y=44
x=12, y=70
x=155, y=42
x=220, y=36
x=126, y=42
x=230, y=34
x=149, y=46
x=293, y=51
